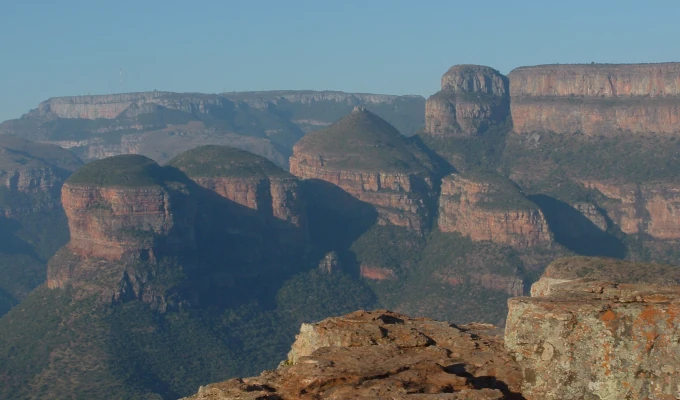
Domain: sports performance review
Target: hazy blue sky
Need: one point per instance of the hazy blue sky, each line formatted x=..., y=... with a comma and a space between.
x=67, y=47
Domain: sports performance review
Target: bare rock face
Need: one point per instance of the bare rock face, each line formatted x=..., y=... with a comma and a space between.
x=130, y=104
x=490, y=209
x=252, y=185
x=379, y=355
x=366, y=157
x=35, y=170
x=123, y=207
x=472, y=98
x=597, y=98
x=651, y=208
x=582, y=337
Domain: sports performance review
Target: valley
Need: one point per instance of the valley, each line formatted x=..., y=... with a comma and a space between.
x=200, y=231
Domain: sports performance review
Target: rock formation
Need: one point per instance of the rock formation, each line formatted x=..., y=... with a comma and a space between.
x=34, y=170
x=598, y=328
x=380, y=355
x=252, y=182
x=651, y=208
x=125, y=206
x=490, y=208
x=473, y=97
x=366, y=157
x=596, y=98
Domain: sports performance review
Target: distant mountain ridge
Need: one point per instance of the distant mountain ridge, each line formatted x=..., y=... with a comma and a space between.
x=161, y=125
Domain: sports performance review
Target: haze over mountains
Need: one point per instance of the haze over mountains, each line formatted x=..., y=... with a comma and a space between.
x=203, y=229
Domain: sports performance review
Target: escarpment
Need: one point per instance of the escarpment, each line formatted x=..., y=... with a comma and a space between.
x=472, y=98
x=253, y=186
x=31, y=175
x=598, y=328
x=597, y=98
x=487, y=207
x=122, y=212
x=366, y=157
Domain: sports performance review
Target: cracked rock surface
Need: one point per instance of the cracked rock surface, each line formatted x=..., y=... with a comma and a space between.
x=384, y=355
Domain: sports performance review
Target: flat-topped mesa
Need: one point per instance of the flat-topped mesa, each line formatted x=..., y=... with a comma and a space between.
x=126, y=207
x=596, y=98
x=368, y=158
x=598, y=328
x=252, y=182
x=473, y=97
x=488, y=207
x=129, y=104
x=383, y=355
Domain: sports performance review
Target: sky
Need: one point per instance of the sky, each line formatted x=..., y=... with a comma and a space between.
x=54, y=48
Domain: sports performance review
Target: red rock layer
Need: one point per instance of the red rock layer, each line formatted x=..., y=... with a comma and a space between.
x=398, y=197
x=651, y=208
x=110, y=222
x=462, y=210
x=278, y=202
x=596, y=99
x=472, y=98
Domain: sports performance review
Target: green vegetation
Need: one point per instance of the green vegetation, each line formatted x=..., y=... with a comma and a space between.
x=224, y=161
x=481, y=152
x=609, y=269
x=126, y=170
x=632, y=158
x=23, y=154
x=503, y=193
x=364, y=141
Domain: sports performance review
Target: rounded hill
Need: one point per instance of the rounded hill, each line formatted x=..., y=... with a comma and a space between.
x=225, y=161
x=361, y=141
x=128, y=170
x=16, y=153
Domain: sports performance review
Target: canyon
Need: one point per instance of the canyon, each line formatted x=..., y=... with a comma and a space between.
x=577, y=337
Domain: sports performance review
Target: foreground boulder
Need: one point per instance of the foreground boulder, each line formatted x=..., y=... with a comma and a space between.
x=600, y=329
x=383, y=355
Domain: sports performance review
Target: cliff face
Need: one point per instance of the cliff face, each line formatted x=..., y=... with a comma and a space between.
x=124, y=213
x=366, y=157
x=490, y=211
x=650, y=208
x=128, y=104
x=585, y=338
x=32, y=174
x=111, y=222
x=472, y=98
x=253, y=187
x=596, y=99
x=380, y=354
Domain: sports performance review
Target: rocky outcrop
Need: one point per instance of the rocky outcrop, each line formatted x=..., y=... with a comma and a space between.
x=31, y=174
x=473, y=97
x=490, y=209
x=380, y=354
x=367, y=158
x=650, y=208
x=126, y=216
x=255, y=189
x=597, y=98
x=583, y=337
